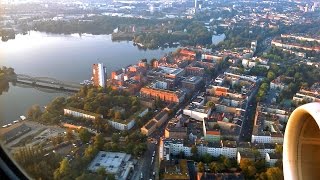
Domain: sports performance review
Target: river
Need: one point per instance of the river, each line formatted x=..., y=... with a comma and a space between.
x=64, y=57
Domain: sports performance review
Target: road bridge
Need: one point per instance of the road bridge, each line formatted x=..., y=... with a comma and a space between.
x=48, y=82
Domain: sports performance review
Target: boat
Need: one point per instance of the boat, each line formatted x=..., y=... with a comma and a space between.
x=16, y=121
x=4, y=126
x=23, y=118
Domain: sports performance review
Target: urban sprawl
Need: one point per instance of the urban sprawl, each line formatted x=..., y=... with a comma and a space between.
x=204, y=111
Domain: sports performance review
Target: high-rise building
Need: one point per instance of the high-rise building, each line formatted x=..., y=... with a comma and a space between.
x=99, y=75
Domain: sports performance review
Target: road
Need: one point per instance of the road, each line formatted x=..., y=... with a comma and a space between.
x=144, y=165
x=247, y=123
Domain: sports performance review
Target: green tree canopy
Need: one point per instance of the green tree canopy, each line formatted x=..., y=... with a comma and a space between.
x=84, y=135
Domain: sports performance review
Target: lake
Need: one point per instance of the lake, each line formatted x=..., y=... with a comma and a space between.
x=218, y=38
x=64, y=57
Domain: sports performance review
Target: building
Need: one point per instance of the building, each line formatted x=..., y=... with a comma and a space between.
x=311, y=94
x=245, y=155
x=211, y=176
x=229, y=149
x=166, y=72
x=175, y=130
x=272, y=158
x=116, y=163
x=163, y=94
x=122, y=125
x=155, y=122
x=197, y=112
x=173, y=171
x=280, y=83
x=161, y=117
x=212, y=57
x=192, y=83
x=99, y=75
x=194, y=71
x=187, y=52
x=211, y=132
x=268, y=123
x=149, y=128
x=71, y=126
x=81, y=113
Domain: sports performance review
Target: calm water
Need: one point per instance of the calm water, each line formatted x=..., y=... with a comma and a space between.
x=218, y=38
x=64, y=57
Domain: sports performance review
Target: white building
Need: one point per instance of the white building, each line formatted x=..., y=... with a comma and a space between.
x=214, y=149
x=126, y=125
x=271, y=158
x=115, y=163
x=229, y=149
x=197, y=112
x=81, y=113
x=261, y=138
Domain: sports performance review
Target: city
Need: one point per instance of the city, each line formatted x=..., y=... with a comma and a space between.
x=214, y=105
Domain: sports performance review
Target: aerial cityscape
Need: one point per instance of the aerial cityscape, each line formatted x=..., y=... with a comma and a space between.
x=154, y=89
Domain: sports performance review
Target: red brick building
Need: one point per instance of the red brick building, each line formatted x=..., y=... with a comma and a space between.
x=164, y=95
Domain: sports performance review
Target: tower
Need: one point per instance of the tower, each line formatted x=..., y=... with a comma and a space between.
x=99, y=75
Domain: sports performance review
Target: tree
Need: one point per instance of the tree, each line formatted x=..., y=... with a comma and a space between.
x=200, y=167
x=90, y=152
x=257, y=154
x=279, y=164
x=247, y=168
x=34, y=112
x=207, y=158
x=274, y=173
x=216, y=167
x=110, y=177
x=260, y=165
x=98, y=123
x=84, y=135
x=115, y=138
x=194, y=150
x=271, y=75
x=227, y=163
x=98, y=141
x=101, y=171
x=279, y=149
x=86, y=176
x=69, y=135
x=210, y=104
x=63, y=171
x=262, y=176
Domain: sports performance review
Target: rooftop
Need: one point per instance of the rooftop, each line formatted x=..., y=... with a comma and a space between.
x=176, y=171
x=192, y=79
x=247, y=154
x=113, y=162
x=229, y=144
x=150, y=124
x=274, y=156
x=161, y=114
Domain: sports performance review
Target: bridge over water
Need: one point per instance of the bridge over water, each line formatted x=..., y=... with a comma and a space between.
x=48, y=82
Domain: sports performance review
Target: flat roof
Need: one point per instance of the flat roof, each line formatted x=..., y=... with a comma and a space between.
x=111, y=161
